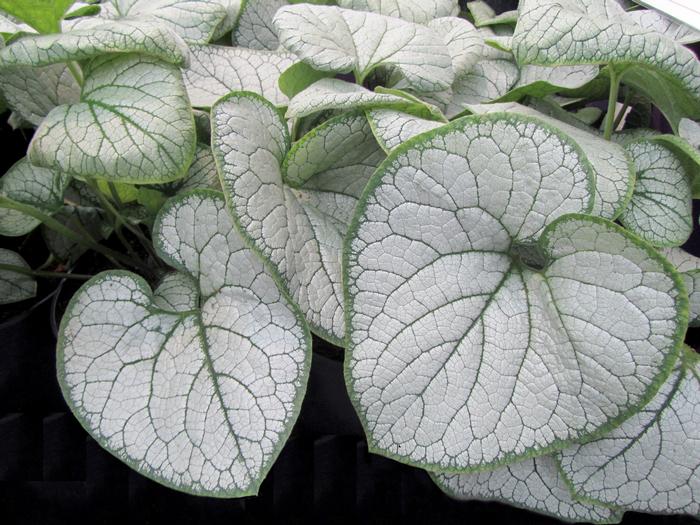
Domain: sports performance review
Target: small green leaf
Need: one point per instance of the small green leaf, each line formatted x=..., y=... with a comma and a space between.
x=39, y=188
x=650, y=463
x=297, y=77
x=533, y=484
x=142, y=132
x=43, y=15
x=197, y=384
x=15, y=287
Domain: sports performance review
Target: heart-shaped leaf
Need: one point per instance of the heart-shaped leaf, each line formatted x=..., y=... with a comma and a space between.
x=217, y=70
x=39, y=188
x=196, y=385
x=133, y=124
x=417, y=11
x=294, y=203
x=15, y=287
x=341, y=40
x=534, y=484
x=484, y=326
x=650, y=463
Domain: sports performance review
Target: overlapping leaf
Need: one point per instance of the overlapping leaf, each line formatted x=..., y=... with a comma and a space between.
x=661, y=207
x=32, y=92
x=392, y=128
x=564, y=32
x=418, y=11
x=197, y=384
x=15, y=287
x=333, y=94
x=254, y=29
x=105, y=37
x=689, y=267
x=614, y=170
x=294, y=203
x=534, y=484
x=651, y=463
x=341, y=40
x=215, y=71
x=133, y=124
x=39, y=188
x=484, y=325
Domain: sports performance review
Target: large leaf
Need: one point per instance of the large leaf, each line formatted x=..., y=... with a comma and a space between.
x=43, y=15
x=196, y=385
x=565, y=32
x=216, y=71
x=660, y=211
x=294, y=204
x=121, y=36
x=613, y=166
x=651, y=463
x=418, y=11
x=484, y=15
x=133, y=124
x=15, y=287
x=40, y=188
x=341, y=40
x=333, y=94
x=32, y=92
x=484, y=324
x=254, y=29
x=534, y=484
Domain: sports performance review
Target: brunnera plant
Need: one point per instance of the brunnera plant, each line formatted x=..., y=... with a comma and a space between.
x=437, y=190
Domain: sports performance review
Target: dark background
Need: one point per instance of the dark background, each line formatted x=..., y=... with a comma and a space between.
x=51, y=472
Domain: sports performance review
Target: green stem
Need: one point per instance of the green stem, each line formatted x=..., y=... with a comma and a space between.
x=115, y=195
x=612, y=103
x=112, y=255
x=76, y=72
x=41, y=273
x=120, y=219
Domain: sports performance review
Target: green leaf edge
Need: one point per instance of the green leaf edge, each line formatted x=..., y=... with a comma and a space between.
x=687, y=356
x=249, y=241
x=183, y=169
x=614, y=519
x=146, y=288
x=682, y=303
